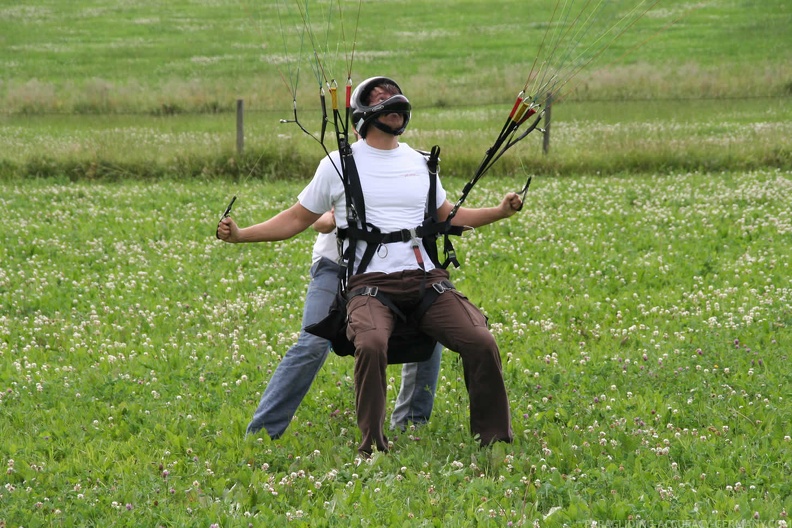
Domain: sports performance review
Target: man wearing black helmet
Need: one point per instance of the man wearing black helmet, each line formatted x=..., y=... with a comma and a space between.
x=395, y=183
x=378, y=101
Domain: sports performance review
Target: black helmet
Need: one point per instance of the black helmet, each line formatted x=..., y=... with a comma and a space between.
x=362, y=114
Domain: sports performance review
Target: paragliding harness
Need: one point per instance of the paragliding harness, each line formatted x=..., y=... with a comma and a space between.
x=407, y=344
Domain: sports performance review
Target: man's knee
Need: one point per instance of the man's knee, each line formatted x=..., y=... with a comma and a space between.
x=371, y=344
x=478, y=342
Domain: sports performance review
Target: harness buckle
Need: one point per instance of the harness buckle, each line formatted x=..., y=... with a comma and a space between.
x=409, y=235
x=371, y=291
x=442, y=286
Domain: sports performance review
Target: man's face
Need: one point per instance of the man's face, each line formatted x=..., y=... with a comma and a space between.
x=393, y=120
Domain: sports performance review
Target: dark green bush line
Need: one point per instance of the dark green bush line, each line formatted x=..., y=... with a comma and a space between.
x=270, y=165
x=229, y=106
x=259, y=165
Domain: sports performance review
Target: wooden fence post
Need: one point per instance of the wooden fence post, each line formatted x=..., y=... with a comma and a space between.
x=546, y=134
x=240, y=129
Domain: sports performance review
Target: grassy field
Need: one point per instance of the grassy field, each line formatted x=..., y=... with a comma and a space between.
x=644, y=324
x=642, y=300
x=92, y=56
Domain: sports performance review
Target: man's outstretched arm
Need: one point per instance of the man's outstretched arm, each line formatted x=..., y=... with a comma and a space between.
x=282, y=226
x=477, y=217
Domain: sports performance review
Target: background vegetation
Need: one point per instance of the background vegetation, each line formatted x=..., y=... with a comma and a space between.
x=100, y=90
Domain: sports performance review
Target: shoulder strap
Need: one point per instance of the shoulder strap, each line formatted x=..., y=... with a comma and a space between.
x=357, y=226
x=355, y=208
x=430, y=240
x=432, y=227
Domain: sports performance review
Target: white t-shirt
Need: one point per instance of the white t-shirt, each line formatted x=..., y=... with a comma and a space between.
x=326, y=245
x=395, y=185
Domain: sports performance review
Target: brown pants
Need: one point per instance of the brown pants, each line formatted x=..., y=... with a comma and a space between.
x=453, y=321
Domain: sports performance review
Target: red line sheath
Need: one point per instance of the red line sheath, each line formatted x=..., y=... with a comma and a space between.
x=514, y=108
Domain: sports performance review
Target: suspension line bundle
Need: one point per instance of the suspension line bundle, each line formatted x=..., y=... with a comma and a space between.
x=327, y=35
x=577, y=33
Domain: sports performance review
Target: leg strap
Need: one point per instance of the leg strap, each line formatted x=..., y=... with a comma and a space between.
x=373, y=291
x=429, y=296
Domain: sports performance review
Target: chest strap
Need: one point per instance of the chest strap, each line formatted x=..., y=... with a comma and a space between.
x=360, y=230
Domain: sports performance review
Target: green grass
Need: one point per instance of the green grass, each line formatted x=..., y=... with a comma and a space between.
x=644, y=323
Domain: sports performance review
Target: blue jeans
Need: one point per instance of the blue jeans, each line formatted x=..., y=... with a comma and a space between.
x=296, y=372
x=416, y=394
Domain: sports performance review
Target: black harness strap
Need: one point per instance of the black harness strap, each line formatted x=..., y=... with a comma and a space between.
x=373, y=291
x=426, y=231
x=433, y=228
x=430, y=295
x=352, y=189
